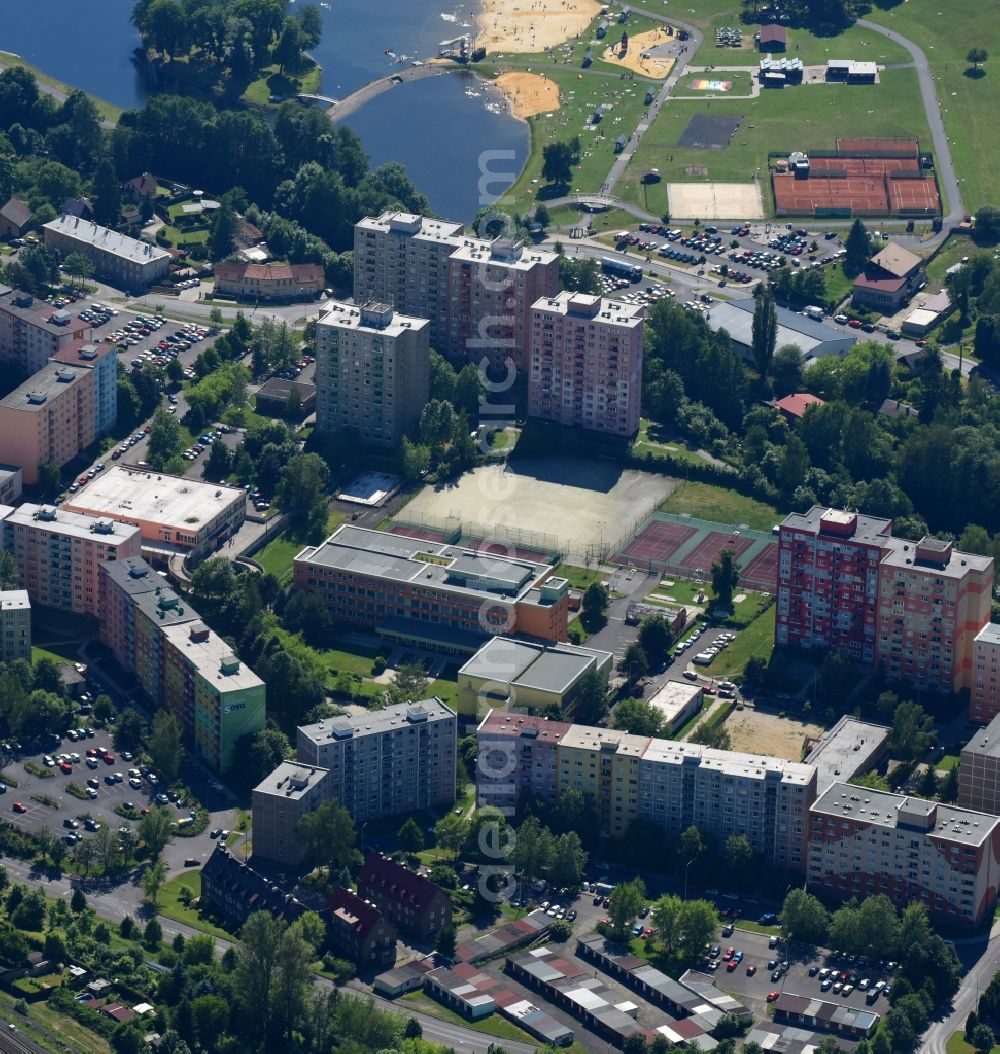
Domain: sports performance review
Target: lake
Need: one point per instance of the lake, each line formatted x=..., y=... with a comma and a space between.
x=432, y=126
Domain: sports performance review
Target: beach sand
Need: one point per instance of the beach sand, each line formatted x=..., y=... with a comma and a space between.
x=532, y=25
x=529, y=93
x=635, y=60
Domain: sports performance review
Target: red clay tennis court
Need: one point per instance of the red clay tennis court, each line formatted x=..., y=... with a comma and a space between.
x=861, y=194
x=426, y=534
x=658, y=541
x=863, y=145
x=762, y=571
x=875, y=167
x=706, y=552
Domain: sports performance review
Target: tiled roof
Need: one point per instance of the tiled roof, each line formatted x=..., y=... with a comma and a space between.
x=797, y=404
x=234, y=271
x=397, y=882
x=348, y=908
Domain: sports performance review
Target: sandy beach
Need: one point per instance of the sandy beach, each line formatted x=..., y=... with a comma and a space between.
x=521, y=26
x=637, y=57
x=529, y=93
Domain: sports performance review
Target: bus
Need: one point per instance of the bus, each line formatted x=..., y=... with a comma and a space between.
x=622, y=269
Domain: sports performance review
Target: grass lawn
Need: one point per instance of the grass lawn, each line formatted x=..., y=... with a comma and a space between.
x=757, y=639
x=957, y=1045
x=578, y=577
x=56, y=652
x=740, y=83
x=107, y=110
x=272, y=82
x=654, y=440
x=838, y=285
x=276, y=557
x=957, y=246
x=947, y=763
x=177, y=235
x=709, y=502
x=945, y=33
x=809, y=117
x=170, y=905
x=683, y=590
x=494, y=1025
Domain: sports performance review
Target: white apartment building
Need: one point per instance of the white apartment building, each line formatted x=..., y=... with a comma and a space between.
x=128, y=263
x=385, y=762
x=15, y=625
x=372, y=371
x=586, y=363
x=724, y=792
x=863, y=842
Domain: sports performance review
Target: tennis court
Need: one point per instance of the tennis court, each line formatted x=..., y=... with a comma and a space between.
x=659, y=541
x=496, y=548
x=762, y=571
x=862, y=145
x=707, y=551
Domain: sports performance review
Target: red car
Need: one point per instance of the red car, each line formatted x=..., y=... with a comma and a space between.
x=65, y=767
x=751, y=970
x=731, y=965
x=91, y=753
x=854, y=323
x=728, y=954
x=19, y=806
x=771, y=996
x=109, y=758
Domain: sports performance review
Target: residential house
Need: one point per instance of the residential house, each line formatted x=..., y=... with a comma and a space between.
x=413, y=903
x=889, y=279
x=358, y=931
x=14, y=218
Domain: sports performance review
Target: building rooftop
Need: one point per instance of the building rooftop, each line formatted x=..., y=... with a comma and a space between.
x=235, y=271
x=894, y=258
x=398, y=883
x=35, y=312
x=502, y=252
x=584, y=306
x=379, y=319
x=883, y=809
x=291, y=780
x=552, y=669
x=120, y=245
x=420, y=562
x=165, y=607
x=212, y=657
x=672, y=697
x=83, y=353
x=14, y=600
x=374, y=722
x=414, y=225
x=797, y=404
x=71, y=524
x=136, y=494
x=509, y=723
x=931, y=555
x=624, y=744
x=47, y=384
x=986, y=741
x=736, y=318
x=870, y=530
x=729, y=762
x=849, y=748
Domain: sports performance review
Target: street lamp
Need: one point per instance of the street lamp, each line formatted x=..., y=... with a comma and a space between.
x=363, y=826
x=686, y=866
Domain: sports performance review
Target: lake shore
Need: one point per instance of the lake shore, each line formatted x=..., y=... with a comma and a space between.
x=526, y=26
x=528, y=93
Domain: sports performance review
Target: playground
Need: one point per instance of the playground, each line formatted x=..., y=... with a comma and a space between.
x=646, y=53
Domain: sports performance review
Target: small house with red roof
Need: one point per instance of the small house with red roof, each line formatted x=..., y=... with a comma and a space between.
x=411, y=902
x=358, y=931
x=793, y=407
x=889, y=279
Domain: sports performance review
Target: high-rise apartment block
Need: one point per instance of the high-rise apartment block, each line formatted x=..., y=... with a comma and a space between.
x=32, y=332
x=476, y=293
x=673, y=785
x=279, y=801
x=979, y=770
x=984, y=697
x=586, y=363
x=157, y=635
x=913, y=608
x=59, y=554
x=15, y=625
x=372, y=371
x=863, y=842
x=387, y=761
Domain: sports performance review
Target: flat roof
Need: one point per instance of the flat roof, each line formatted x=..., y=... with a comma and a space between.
x=870, y=530
x=736, y=318
x=884, y=809
x=986, y=741
x=72, y=524
x=597, y=309
x=989, y=634
x=902, y=555
x=847, y=749
x=141, y=494
x=583, y=737
x=551, y=668
x=414, y=225
x=672, y=697
x=377, y=554
x=502, y=252
x=107, y=240
x=291, y=780
x=37, y=392
x=336, y=314
x=208, y=655
x=730, y=762
x=14, y=600
x=506, y=723
x=374, y=722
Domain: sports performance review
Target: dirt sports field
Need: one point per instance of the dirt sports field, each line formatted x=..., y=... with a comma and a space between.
x=640, y=56
x=715, y=201
x=777, y=737
x=529, y=93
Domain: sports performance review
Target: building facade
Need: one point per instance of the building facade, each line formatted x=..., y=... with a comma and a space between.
x=266, y=282
x=372, y=372
x=889, y=279
x=586, y=363
x=358, y=931
x=15, y=625
x=412, y=903
x=51, y=417
x=863, y=842
x=386, y=762
x=279, y=801
x=125, y=262
x=517, y=753
x=979, y=771
x=29, y=337
x=441, y=596
x=216, y=697
x=102, y=359
x=984, y=697
x=231, y=888
x=913, y=608
x=59, y=554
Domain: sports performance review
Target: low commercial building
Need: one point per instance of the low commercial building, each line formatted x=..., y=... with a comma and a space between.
x=50, y=418
x=979, y=770
x=512, y=673
x=358, y=931
x=175, y=514
x=125, y=262
x=815, y=340
x=214, y=695
x=15, y=625
x=385, y=762
x=279, y=397
x=504, y=938
x=411, y=902
x=932, y=310
x=677, y=702
x=889, y=279
x=851, y=748
x=59, y=554
x=279, y=801
x=863, y=842
x=772, y=38
x=459, y=990
x=432, y=594
x=269, y=282
x=829, y=1017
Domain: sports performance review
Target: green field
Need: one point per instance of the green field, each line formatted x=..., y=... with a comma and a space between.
x=170, y=905
x=494, y=1025
x=708, y=502
x=945, y=33
x=757, y=639
x=277, y=555
x=810, y=117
